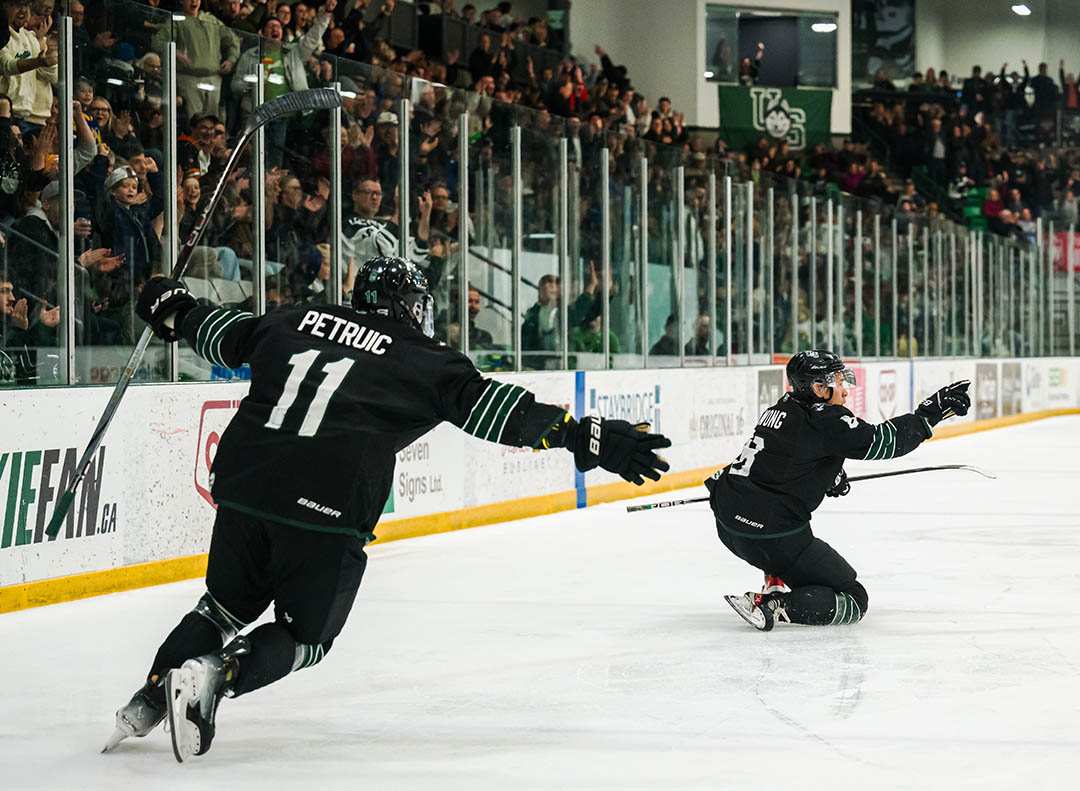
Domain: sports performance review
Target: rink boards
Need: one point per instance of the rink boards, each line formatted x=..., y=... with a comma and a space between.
x=144, y=513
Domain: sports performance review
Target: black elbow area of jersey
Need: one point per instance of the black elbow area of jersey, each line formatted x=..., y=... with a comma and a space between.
x=535, y=425
x=191, y=320
x=911, y=431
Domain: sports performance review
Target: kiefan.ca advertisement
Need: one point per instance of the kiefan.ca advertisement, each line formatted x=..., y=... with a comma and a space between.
x=138, y=502
x=38, y=454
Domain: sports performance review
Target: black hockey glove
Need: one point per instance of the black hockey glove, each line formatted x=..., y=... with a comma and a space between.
x=840, y=486
x=160, y=299
x=619, y=447
x=946, y=402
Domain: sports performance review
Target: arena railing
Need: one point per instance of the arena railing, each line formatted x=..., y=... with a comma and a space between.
x=555, y=245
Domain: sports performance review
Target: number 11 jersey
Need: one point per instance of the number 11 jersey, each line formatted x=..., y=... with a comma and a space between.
x=334, y=395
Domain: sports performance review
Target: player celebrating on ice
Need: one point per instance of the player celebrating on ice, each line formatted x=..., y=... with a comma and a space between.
x=763, y=499
x=304, y=468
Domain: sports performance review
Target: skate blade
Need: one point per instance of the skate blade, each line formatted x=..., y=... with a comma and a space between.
x=118, y=736
x=765, y=624
x=179, y=691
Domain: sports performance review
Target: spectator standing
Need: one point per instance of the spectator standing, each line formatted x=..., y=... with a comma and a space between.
x=1015, y=104
x=935, y=150
x=1046, y=98
x=972, y=91
x=749, y=69
x=484, y=60
x=27, y=68
x=205, y=51
x=283, y=71
x=1070, y=95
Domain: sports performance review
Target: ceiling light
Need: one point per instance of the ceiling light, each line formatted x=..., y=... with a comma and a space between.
x=1021, y=9
x=823, y=27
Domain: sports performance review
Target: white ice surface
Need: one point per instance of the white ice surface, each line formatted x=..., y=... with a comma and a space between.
x=593, y=650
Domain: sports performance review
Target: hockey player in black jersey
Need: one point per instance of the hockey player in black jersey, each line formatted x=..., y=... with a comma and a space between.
x=763, y=500
x=304, y=468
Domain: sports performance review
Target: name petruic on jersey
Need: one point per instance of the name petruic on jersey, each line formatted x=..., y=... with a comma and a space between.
x=344, y=331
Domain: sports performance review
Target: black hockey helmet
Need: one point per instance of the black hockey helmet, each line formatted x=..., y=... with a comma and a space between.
x=816, y=365
x=395, y=287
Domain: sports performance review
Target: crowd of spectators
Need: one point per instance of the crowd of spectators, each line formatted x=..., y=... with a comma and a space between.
x=996, y=133
x=120, y=146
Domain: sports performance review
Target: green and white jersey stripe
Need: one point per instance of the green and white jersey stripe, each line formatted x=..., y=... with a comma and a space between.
x=489, y=414
x=884, y=443
x=212, y=332
x=307, y=655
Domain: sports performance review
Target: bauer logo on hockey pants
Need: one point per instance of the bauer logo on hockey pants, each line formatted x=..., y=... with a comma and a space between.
x=318, y=508
x=594, y=439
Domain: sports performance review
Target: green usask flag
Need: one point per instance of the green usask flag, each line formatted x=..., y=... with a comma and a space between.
x=801, y=116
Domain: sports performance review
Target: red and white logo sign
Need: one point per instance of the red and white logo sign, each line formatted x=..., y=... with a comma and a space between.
x=887, y=393
x=857, y=395
x=212, y=422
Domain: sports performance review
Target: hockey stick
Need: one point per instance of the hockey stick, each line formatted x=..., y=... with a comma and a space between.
x=300, y=101
x=852, y=479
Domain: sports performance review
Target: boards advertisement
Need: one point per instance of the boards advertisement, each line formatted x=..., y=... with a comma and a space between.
x=147, y=496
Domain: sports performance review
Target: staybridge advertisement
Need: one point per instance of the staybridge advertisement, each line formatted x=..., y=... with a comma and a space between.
x=147, y=494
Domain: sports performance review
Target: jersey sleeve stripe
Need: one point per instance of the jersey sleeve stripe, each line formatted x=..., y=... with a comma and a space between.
x=875, y=444
x=204, y=328
x=207, y=329
x=497, y=425
x=480, y=406
x=215, y=342
x=883, y=445
x=498, y=400
x=889, y=450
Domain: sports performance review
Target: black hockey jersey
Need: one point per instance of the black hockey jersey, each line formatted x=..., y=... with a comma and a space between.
x=334, y=395
x=794, y=457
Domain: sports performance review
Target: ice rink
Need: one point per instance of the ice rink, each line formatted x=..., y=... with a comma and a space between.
x=592, y=650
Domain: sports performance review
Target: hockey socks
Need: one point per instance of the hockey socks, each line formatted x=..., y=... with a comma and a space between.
x=273, y=652
x=819, y=605
x=195, y=635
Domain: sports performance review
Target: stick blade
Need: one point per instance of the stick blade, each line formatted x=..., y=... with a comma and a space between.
x=983, y=473
x=296, y=102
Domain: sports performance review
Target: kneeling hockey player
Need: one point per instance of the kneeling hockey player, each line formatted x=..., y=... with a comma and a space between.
x=763, y=499
x=304, y=468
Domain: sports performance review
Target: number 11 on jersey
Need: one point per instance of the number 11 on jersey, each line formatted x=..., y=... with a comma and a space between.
x=741, y=466
x=301, y=363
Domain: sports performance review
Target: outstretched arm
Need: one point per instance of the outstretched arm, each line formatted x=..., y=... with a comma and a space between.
x=506, y=413
x=615, y=445
x=853, y=438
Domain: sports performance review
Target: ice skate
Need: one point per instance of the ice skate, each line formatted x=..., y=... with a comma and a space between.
x=192, y=693
x=751, y=611
x=140, y=716
x=761, y=611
